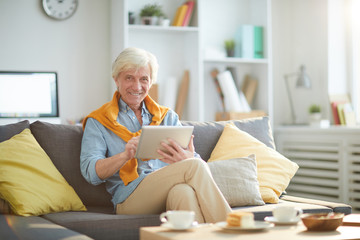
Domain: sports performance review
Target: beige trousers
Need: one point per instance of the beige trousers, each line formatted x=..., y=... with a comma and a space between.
x=185, y=185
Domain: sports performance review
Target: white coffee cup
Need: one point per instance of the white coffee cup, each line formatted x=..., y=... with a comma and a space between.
x=178, y=219
x=287, y=213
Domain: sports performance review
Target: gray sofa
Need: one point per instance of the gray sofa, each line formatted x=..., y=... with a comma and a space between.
x=62, y=143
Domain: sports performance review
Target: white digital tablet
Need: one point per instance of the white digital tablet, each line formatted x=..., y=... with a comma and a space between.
x=152, y=136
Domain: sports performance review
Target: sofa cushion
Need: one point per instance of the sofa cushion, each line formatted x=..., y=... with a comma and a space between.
x=336, y=207
x=29, y=182
x=237, y=180
x=207, y=134
x=260, y=212
x=274, y=170
x=104, y=226
x=9, y=130
x=15, y=227
x=6, y=132
x=63, y=143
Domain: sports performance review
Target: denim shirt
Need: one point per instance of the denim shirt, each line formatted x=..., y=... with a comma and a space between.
x=98, y=142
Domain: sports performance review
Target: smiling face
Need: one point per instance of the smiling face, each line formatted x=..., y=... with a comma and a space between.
x=133, y=86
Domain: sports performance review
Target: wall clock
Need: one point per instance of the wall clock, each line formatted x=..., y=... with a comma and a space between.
x=60, y=9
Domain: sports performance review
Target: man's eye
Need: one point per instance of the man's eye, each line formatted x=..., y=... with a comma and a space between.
x=145, y=79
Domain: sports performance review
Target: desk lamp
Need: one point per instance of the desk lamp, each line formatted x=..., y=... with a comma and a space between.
x=303, y=81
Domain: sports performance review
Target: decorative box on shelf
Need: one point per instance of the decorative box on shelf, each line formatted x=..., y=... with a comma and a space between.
x=224, y=116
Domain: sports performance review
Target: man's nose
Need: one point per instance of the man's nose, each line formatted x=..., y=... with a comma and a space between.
x=137, y=85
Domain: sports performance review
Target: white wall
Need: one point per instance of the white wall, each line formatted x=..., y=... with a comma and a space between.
x=299, y=37
x=78, y=49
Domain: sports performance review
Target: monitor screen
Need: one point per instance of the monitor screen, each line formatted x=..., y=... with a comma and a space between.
x=28, y=94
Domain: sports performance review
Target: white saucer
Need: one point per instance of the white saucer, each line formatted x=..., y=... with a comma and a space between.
x=274, y=220
x=171, y=227
x=259, y=225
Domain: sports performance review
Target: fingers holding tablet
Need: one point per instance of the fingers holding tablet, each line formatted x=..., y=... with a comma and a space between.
x=175, y=152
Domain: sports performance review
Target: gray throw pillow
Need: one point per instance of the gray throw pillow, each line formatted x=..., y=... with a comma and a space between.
x=237, y=180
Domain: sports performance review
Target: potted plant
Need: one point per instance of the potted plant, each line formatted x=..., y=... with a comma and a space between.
x=149, y=14
x=230, y=47
x=314, y=114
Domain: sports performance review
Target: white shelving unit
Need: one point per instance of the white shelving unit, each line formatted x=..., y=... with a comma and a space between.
x=185, y=48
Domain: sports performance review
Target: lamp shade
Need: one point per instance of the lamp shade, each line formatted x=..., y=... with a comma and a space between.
x=303, y=80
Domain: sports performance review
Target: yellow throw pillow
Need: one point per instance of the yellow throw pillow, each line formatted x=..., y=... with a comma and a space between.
x=274, y=170
x=30, y=182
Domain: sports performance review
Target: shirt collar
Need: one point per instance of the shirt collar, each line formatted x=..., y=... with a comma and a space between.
x=125, y=108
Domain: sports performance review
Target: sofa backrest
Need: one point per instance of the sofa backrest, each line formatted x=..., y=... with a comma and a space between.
x=207, y=134
x=62, y=143
x=9, y=130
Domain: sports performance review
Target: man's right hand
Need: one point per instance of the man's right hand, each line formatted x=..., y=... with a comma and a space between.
x=131, y=146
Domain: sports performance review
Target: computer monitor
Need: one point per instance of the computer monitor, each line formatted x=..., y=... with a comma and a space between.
x=28, y=94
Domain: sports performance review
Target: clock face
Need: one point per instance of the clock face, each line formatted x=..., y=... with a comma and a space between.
x=60, y=9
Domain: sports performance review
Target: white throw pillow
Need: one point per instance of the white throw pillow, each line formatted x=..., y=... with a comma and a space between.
x=237, y=180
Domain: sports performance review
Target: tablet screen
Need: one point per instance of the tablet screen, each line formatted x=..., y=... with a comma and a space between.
x=152, y=136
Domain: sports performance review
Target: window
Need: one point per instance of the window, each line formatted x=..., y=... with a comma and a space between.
x=355, y=58
x=344, y=50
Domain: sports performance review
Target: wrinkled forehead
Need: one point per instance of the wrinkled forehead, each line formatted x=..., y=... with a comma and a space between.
x=138, y=70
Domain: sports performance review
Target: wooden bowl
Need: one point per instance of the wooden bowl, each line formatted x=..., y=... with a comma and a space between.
x=322, y=221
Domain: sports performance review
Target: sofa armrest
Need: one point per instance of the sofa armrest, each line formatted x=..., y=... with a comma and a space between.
x=337, y=207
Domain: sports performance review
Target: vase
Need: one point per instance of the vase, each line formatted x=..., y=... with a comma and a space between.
x=230, y=52
x=149, y=20
x=315, y=119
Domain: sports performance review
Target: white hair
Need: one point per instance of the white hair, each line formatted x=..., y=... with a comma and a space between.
x=135, y=58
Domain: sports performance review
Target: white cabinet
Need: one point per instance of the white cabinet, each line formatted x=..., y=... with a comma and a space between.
x=187, y=48
x=329, y=161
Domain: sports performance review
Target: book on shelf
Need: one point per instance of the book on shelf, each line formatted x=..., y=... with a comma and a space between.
x=249, y=87
x=232, y=70
x=189, y=13
x=214, y=74
x=249, y=42
x=258, y=42
x=342, y=110
x=349, y=115
x=180, y=15
x=234, y=100
x=335, y=113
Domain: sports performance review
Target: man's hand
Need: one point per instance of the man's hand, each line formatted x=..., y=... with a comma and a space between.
x=176, y=152
x=130, y=147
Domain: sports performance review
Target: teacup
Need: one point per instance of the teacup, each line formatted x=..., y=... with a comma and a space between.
x=178, y=219
x=287, y=213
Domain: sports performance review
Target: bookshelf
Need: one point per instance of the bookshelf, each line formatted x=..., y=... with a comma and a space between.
x=186, y=48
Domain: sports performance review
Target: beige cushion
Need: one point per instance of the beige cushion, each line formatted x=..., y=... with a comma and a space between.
x=274, y=170
x=237, y=180
x=29, y=181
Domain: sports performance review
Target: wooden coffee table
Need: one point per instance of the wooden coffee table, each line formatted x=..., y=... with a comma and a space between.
x=213, y=232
